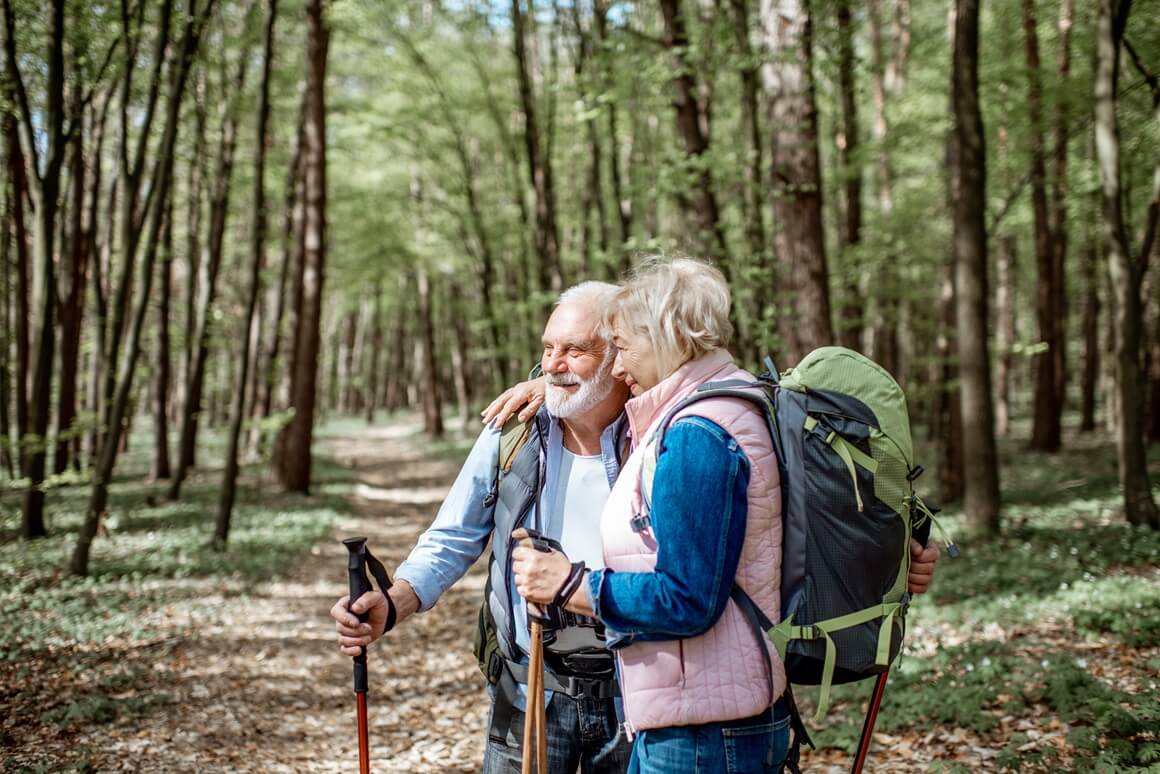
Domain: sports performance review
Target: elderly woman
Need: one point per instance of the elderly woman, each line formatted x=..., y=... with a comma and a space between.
x=700, y=690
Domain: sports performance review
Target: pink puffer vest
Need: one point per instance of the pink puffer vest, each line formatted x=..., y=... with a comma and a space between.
x=722, y=674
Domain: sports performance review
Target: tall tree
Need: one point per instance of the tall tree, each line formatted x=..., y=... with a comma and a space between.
x=209, y=270
x=796, y=184
x=689, y=111
x=257, y=258
x=1048, y=402
x=850, y=232
x=45, y=189
x=980, y=457
x=1059, y=188
x=161, y=177
x=888, y=77
x=1091, y=338
x=547, y=233
x=1125, y=269
x=293, y=462
x=16, y=187
x=605, y=61
x=1005, y=324
x=161, y=467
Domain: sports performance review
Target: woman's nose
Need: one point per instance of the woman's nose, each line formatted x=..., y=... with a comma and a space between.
x=618, y=371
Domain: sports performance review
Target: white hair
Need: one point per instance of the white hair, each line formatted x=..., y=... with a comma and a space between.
x=681, y=304
x=596, y=294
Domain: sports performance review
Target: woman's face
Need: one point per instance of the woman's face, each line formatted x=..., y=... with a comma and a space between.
x=636, y=360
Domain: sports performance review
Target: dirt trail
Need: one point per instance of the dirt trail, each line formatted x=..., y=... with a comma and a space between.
x=262, y=687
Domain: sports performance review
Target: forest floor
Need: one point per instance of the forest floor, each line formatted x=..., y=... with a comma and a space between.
x=1038, y=651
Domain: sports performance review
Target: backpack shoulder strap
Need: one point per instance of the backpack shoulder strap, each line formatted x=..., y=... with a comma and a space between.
x=511, y=439
x=756, y=393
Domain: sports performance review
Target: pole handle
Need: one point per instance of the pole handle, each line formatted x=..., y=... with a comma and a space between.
x=358, y=584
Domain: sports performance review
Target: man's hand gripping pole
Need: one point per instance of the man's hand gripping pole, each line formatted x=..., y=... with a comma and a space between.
x=359, y=559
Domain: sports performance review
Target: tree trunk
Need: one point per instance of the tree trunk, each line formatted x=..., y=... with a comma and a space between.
x=884, y=345
x=102, y=260
x=161, y=177
x=1091, y=338
x=210, y=266
x=345, y=382
x=7, y=191
x=161, y=468
x=297, y=268
x=134, y=206
x=1045, y=433
x=947, y=424
x=460, y=346
x=258, y=247
x=980, y=457
x=11, y=231
x=1058, y=213
x=293, y=463
x=432, y=401
x=1005, y=322
x=45, y=191
x=23, y=310
x=796, y=185
x=374, y=396
x=195, y=187
x=70, y=308
x=623, y=202
x=850, y=233
x=1126, y=272
x=395, y=391
x=547, y=234
x=691, y=121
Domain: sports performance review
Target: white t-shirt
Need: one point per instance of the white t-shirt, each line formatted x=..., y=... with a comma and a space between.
x=578, y=503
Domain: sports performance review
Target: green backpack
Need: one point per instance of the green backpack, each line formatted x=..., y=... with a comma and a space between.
x=841, y=432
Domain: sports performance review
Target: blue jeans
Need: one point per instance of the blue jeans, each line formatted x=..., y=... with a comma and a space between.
x=755, y=745
x=582, y=734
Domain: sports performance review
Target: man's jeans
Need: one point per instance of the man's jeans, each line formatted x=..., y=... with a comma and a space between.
x=582, y=733
x=755, y=745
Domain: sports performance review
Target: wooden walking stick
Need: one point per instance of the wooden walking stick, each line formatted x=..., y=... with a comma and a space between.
x=535, y=715
x=358, y=560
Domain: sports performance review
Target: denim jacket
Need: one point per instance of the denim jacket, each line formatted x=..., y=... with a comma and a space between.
x=702, y=474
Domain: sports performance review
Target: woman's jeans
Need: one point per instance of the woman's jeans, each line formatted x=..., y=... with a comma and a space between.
x=753, y=745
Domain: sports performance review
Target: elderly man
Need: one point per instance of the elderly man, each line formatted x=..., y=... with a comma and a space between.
x=556, y=478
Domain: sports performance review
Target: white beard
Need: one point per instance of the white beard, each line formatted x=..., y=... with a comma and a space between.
x=563, y=404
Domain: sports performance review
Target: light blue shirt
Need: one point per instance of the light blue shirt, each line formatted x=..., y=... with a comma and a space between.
x=459, y=534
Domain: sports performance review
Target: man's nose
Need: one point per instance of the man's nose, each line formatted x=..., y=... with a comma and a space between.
x=554, y=361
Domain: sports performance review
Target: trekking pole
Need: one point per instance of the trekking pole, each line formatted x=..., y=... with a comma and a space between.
x=868, y=725
x=535, y=716
x=359, y=584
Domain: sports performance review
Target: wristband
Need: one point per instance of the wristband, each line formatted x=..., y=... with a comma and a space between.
x=573, y=581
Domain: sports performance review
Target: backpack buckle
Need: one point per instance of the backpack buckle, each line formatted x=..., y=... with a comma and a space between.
x=904, y=603
x=640, y=523
x=811, y=632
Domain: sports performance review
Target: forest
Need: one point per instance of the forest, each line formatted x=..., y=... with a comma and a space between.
x=263, y=261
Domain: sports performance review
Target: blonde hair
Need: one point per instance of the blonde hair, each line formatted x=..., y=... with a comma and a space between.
x=681, y=304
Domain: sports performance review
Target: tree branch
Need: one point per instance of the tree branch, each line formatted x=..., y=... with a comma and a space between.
x=27, y=130
x=1150, y=78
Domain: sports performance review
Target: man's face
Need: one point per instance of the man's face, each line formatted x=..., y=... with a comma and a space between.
x=576, y=361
